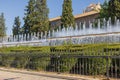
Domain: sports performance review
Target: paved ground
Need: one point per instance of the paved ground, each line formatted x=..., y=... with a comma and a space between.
x=11, y=74
x=18, y=76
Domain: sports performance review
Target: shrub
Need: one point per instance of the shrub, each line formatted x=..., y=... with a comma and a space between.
x=59, y=63
x=98, y=66
x=59, y=60
x=38, y=61
x=21, y=60
x=0, y=60
x=7, y=59
x=67, y=64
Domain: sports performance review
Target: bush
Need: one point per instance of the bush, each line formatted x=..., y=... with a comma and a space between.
x=59, y=61
x=38, y=61
x=21, y=60
x=67, y=64
x=98, y=66
x=7, y=59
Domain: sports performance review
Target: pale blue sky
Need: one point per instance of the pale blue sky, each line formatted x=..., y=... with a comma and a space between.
x=13, y=8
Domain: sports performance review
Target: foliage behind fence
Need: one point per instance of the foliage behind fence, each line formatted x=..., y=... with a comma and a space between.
x=63, y=62
x=89, y=59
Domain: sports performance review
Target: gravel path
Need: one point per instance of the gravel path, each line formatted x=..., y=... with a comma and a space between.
x=14, y=74
x=19, y=76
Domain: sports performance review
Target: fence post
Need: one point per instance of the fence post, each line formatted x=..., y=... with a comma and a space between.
x=107, y=68
x=58, y=64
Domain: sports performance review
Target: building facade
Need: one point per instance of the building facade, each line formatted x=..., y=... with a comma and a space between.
x=88, y=15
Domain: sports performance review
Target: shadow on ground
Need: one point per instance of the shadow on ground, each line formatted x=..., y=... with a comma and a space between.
x=12, y=78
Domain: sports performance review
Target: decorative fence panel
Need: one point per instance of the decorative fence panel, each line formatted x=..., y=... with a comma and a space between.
x=107, y=66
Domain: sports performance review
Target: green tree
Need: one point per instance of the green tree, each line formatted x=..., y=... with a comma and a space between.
x=2, y=26
x=67, y=17
x=111, y=9
x=29, y=16
x=41, y=19
x=114, y=8
x=104, y=10
x=16, y=26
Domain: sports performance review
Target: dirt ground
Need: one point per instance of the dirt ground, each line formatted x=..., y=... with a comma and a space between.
x=14, y=74
x=19, y=76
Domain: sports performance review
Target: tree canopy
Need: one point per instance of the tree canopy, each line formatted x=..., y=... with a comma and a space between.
x=29, y=16
x=42, y=21
x=114, y=8
x=2, y=25
x=16, y=26
x=111, y=9
x=104, y=13
x=67, y=17
x=36, y=16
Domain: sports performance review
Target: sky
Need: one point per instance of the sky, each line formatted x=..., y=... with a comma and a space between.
x=13, y=8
